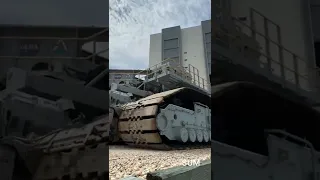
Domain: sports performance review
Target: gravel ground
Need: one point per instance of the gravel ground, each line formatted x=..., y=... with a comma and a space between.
x=125, y=161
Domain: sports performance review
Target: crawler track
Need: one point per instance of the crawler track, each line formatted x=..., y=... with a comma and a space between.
x=78, y=153
x=137, y=122
x=85, y=163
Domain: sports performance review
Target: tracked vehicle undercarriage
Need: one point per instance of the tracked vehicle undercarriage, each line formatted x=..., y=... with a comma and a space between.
x=167, y=120
x=173, y=119
x=55, y=125
x=54, y=113
x=53, y=133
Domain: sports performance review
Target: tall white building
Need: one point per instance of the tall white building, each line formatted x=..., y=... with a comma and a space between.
x=187, y=46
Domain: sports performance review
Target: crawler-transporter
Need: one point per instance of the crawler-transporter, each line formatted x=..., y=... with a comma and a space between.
x=58, y=120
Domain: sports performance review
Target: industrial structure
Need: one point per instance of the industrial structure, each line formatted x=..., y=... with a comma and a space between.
x=155, y=112
x=257, y=127
x=285, y=49
x=190, y=47
x=67, y=34
x=57, y=110
x=53, y=79
x=123, y=76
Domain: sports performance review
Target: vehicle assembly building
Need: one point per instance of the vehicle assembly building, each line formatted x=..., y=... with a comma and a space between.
x=190, y=48
x=166, y=84
x=186, y=46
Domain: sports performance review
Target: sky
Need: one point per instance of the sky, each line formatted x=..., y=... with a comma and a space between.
x=133, y=21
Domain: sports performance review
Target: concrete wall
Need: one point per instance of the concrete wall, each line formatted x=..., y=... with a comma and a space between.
x=155, y=49
x=206, y=33
x=193, y=50
x=292, y=17
x=190, y=49
x=55, y=13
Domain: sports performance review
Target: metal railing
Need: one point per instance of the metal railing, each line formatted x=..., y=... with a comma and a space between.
x=189, y=74
x=307, y=143
x=125, y=77
x=227, y=38
x=77, y=39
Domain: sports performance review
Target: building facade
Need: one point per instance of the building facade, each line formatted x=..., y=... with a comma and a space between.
x=186, y=46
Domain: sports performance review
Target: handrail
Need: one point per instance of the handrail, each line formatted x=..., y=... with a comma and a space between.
x=268, y=38
x=304, y=76
x=308, y=143
x=196, y=79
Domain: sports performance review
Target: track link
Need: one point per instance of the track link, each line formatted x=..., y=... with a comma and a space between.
x=76, y=153
x=137, y=125
x=86, y=163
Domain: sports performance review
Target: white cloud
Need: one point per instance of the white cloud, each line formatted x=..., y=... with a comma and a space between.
x=133, y=21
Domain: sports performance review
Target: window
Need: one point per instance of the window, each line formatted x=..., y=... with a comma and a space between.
x=171, y=43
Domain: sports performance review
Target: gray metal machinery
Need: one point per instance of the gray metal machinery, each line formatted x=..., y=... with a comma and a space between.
x=169, y=74
x=172, y=107
x=288, y=156
x=238, y=41
x=55, y=117
x=55, y=94
x=177, y=119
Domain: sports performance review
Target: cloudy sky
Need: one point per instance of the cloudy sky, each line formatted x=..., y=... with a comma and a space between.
x=132, y=21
